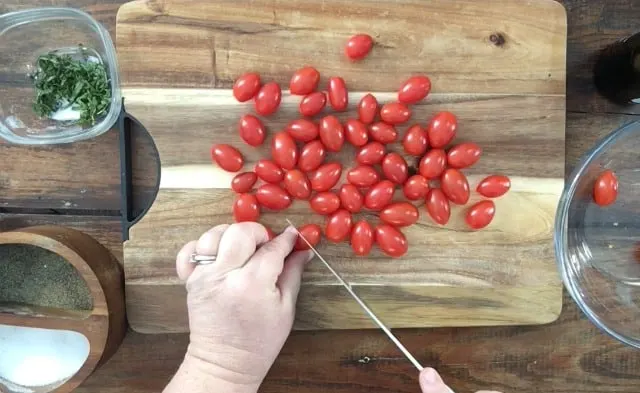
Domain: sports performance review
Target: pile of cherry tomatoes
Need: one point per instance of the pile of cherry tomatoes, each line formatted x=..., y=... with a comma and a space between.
x=297, y=167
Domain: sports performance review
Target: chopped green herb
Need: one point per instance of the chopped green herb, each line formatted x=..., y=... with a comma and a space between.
x=61, y=81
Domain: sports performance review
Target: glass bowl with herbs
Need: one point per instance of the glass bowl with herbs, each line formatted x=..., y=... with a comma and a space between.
x=58, y=77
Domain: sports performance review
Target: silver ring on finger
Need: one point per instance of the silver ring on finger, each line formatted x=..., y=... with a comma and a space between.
x=202, y=259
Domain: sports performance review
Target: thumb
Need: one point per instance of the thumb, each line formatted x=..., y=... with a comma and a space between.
x=291, y=276
x=431, y=382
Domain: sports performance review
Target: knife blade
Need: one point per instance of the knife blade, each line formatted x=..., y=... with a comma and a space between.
x=362, y=304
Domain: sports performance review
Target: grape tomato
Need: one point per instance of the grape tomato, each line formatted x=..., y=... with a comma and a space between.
x=356, y=132
x=304, y=81
x=480, y=214
x=227, y=157
x=338, y=226
x=273, y=197
x=370, y=154
x=325, y=202
x=379, y=196
x=252, y=130
x=302, y=130
x=400, y=214
x=367, y=108
x=433, y=163
x=297, y=184
x=313, y=103
x=311, y=156
x=363, y=176
x=414, y=89
x=331, y=133
x=605, y=189
x=416, y=187
x=268, y=99
x=391, y=241
x=494, y=186
x=284, y=150
x=358, y=46
x=441, y=129
x=268, y=171
x=395, y=168
x=362, y=238
x=338, y=97
x=326, y=176
x=455, y=186
x=243, y=182
x=464, y=155
x=246, y=86
x=311, y=232
x=246, y=208
x=438, y=206
x=415, y=141
x=395, y=113
x=383, y=132
x=350, y=198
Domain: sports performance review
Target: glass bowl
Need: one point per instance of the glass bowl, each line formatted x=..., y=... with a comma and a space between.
x=598, y=248
x=26, y=35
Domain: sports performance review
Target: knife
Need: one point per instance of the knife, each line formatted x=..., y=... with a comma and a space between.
x=362, y=304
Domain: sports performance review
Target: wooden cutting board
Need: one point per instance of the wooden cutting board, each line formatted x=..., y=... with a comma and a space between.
x=499, y=65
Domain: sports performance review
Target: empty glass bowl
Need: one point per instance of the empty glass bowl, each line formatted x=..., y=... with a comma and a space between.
x=598, y=248
x=24, y=37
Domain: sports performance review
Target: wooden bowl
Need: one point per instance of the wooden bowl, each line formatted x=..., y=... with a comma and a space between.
x=103, y=326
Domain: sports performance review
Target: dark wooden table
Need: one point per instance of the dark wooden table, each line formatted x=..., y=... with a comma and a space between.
x=78, y=185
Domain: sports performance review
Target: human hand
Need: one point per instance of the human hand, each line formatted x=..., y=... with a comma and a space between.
x=242, y=306
x=431, y=382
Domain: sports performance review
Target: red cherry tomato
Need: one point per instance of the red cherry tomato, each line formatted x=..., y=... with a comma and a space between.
x=325, y=202
x=313, y=103
x=480, y=215
x=605, y=189
x=455, y=186
x=464, y=155
x=311, y=232
x=268, y=171
x=356, y=132
x=395, y=113
x=433, y=163
x=442, y=129
x=367, y=109
x=383, y=132
x=370, y=154
x=338, y=226
x=311, y=156
x=273, y=197
x=363, y=176
x=395, y=168
x=243, y=182
x=416, y=187
x=338, y=97
x=331, y=133
x=284, y=150
x=400, y=214
x=302, y=130
x=350, y=198
x=438, y=206
x=358, y=46
x=379, y=195
x=246, y=208
x=325, y=177
x=415, y=141
x=414, y=89
x=297, y=184
x=227, y=157
x=246, y=86
x=494, y=186
x=251, y=130
x=304, y=81
x=391, y=241
x=268, y=99
x=362, y=238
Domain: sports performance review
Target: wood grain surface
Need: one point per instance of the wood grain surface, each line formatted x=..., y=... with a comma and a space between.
x=509, y=97
x=567, y=356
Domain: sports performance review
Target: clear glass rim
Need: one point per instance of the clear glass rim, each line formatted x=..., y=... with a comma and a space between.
x=17, y=18
x=560, y=232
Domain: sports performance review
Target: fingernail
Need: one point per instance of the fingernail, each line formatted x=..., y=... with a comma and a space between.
x=310, y=255
x=430, y=376
x=291, y=229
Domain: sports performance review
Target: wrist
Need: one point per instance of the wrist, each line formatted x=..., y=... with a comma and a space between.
x=199, y=376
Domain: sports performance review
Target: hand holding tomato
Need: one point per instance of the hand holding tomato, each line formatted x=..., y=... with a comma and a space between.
x=241, y=307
